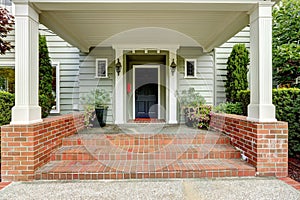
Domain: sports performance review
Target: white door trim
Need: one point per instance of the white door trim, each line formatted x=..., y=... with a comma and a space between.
x=158, y=85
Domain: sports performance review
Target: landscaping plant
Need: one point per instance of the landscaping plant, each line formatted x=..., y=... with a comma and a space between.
x=237, y=69
x=286, y=43
x=6, y=25
x=46, y=98
x=192, y=105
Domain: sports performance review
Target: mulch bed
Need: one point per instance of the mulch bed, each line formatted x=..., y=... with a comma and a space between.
x=294, y=168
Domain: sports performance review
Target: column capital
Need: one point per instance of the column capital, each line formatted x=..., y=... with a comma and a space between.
x=262, y=10
x=24, y=9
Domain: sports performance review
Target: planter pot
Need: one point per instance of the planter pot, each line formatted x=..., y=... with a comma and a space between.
x=101, y=114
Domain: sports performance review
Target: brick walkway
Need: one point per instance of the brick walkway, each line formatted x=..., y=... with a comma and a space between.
x=4, y=184
x=291, y=182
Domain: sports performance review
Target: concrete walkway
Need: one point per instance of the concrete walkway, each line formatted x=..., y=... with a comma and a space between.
x=202, y=189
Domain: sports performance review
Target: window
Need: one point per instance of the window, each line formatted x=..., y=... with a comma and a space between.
x=7, y=79
x=190, y=68
x=101, y=68
x=55, y=87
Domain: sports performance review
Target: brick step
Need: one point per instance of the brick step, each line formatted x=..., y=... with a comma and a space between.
x=145, y=139
x=146, y=152
x=125, y=169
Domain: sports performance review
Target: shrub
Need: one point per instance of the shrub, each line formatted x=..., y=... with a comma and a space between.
x=287, y=102
x=192, y=104
x=229, y=108
x=243, y=97
x=190, y=98
x=198, y=117
x=46, y=98
x=237, y=69
x=7, y=101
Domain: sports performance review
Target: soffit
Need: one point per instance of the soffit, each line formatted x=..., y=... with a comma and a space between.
x=87, y=25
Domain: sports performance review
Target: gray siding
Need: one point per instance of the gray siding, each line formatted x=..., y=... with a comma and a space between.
x=204, y=82
x=221, y=56
x=87, y=80
x=68, y=58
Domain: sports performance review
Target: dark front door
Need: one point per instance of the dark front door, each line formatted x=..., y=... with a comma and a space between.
x=146, y=92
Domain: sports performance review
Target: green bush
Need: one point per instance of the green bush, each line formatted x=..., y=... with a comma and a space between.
x=198, y=117
x=237, y=69
x=287, y=102
x=46, y=98
x=190, y=98
x=7, y=101
x=230, y=108
x=243, y=97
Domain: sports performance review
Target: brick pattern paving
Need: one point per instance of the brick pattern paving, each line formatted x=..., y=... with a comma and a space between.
x=291, y=182
x=4, y=184
x=124, y=156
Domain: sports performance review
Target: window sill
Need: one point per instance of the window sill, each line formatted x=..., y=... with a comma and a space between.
x=191, y=77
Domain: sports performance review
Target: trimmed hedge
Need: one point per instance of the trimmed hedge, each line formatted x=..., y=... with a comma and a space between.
x=7, y=101
x=230, y=108
x=287, y=102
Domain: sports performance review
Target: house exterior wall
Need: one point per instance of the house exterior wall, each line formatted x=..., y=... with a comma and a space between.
x=87, y=73
x=221, y=56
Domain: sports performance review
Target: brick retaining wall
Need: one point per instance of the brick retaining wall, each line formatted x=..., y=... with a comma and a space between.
x=265, y=144
x=25, y=148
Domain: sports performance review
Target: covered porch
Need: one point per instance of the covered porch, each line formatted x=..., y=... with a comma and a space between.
x=103, y=23
x=87, y=24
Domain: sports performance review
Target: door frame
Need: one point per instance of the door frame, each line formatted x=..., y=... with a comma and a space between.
x=158, y=85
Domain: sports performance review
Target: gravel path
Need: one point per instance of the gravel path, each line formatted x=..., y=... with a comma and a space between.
x=219, y=189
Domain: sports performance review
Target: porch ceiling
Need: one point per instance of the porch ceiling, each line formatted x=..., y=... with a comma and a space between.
x=88, y=23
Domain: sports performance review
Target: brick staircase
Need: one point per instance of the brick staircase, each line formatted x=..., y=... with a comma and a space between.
x=132, y=156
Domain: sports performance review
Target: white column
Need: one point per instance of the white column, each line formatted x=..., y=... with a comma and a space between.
x=261, y=108
x=172, y=89
x=119, y=90
x=26, y=110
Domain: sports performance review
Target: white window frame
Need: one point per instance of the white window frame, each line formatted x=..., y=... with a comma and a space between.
x=105, y=60
x=57, y=99
x=195, y=68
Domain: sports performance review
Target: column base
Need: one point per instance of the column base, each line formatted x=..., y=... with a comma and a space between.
x=261, y=113
x=172, y=122
x=26, y=115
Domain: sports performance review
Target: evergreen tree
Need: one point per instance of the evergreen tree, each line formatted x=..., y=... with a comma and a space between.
x=237, y=69
x=46, y=98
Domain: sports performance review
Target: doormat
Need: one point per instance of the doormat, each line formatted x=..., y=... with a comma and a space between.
x=147, y=120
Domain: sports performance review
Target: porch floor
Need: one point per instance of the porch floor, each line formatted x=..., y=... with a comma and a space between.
x=144, y=151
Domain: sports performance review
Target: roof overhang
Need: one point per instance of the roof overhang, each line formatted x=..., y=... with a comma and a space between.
x=88, y=23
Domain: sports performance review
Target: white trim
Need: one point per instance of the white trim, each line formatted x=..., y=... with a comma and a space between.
x=97, y=67
x=185, y=68
x=158, y=85
x=57, y=99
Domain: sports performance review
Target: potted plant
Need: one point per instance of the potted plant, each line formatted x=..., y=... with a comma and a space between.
x=95, y=105
x=192, y=104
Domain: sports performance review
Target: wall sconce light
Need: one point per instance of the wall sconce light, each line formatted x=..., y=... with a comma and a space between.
x=118, y=67
x=173, y=67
